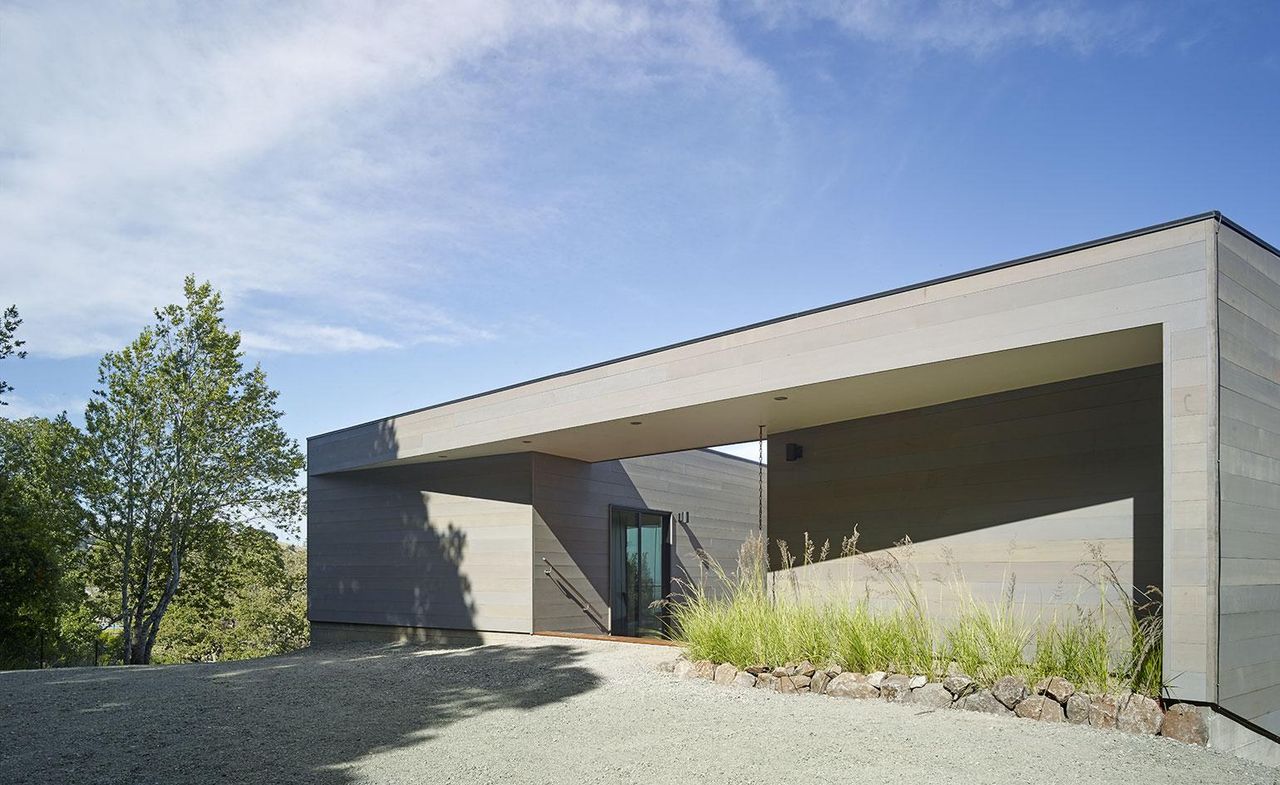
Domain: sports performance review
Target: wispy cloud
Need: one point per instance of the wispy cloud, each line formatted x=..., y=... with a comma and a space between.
x=326, y=165
x=19, y=407
x=977, y=27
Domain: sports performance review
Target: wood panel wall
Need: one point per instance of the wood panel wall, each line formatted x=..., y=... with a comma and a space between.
x=571, y=522
x=1249, y=472
x=1009, y=489
x=442, y=545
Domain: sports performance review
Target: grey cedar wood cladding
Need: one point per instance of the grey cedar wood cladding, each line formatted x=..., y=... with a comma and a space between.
x=457, y=545
x=1156, y=278
x=1249, y=427
x=445, y=545
x=1010, y=485
x=571, y=500
x=1161, y=278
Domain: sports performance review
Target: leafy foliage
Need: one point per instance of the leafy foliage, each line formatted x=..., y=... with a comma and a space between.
x=9, y=345
x=258, y=606
x=40, y=520
x=185, y=448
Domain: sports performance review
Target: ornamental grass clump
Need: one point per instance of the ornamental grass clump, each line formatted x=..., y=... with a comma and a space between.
x=988, y=640
x=748, y=617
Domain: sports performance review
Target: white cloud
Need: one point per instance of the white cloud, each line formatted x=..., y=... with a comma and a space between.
x=320, y=163
x=18, y=407
x=978, y=27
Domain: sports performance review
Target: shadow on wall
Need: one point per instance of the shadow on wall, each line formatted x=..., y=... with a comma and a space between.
x=375, y=554
x=309, y=717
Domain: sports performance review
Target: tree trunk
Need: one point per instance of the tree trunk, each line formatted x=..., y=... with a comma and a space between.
x=126, y=639
x=147, y=635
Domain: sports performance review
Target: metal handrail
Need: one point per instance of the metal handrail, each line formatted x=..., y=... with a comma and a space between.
x=572, y=593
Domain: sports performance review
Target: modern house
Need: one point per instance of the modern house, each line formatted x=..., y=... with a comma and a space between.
x=1122, y=394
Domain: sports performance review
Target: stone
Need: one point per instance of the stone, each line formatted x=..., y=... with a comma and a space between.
x=1040, y=686
x=786, y=684
x=1029, y=707
x=1103, y=711
x=1078, y=709
x=917, y=682
x=806, y=668
x=724, y=673
x=790, y=668
x=1040, y=707
x=932, y=695
x=756, y=670
x=1140, y=716
x=984, y=702
x=1052, y=711
x=819, y=682
x=801, y=681
x=1060, y=689
x=835, y=670
x=766, y=681
x=684, y=669
x=894, y=687
x=851, y=685
x=780, y=672
x=876, y=678
x=1009, y=690
x=744, y=679
x=703, y=669
x=1184, y=722
x=669, y=666
x=959, y=685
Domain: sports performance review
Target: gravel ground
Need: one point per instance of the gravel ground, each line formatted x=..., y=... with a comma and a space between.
x=538, y=710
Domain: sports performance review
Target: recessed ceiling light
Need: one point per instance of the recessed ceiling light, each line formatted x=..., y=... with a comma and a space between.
x=779, y=397
x=635, y=422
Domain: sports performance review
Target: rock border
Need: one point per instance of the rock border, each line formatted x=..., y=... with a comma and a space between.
x=1048, y=700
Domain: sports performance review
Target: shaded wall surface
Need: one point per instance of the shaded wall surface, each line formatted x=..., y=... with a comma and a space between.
x=461, y=544
x=1249, y=479
x=443, y=545
x=571, y=499
x=1012, y=486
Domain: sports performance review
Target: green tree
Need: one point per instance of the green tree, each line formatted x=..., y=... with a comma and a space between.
x=259, y=607
x=9, y=345
x=40, y=542
x=184, y=447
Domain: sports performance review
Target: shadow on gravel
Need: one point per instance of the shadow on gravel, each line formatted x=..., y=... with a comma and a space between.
x=296, y=718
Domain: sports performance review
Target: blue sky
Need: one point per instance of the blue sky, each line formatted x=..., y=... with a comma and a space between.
x=407, y=203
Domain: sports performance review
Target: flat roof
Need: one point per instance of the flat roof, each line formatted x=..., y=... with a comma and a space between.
x=1210, y=215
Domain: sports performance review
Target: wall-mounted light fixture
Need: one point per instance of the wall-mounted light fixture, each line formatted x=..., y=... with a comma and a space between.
x=794, y=451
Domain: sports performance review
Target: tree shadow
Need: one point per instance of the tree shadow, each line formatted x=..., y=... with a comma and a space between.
x=310, y=717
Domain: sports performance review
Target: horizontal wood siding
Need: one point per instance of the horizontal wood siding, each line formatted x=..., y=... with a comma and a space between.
x=443, y=545
x=1249, y=428
x=1008, y=487
x=571, y=522
x=1153, y=279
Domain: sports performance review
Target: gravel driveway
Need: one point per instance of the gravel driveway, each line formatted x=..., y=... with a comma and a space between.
x=539, y=710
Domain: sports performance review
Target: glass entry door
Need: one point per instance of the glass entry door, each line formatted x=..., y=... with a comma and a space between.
x=640, y=570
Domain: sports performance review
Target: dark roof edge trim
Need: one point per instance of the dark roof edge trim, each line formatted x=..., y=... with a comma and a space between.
x=1247, y=234
x=1213, y=214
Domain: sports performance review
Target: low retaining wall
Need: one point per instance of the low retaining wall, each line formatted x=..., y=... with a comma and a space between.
x=1049, y=700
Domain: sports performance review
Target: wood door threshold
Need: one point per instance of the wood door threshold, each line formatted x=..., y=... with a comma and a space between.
x=586, y=636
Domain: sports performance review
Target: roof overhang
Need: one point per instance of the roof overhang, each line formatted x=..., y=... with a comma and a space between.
x=1079, y=311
